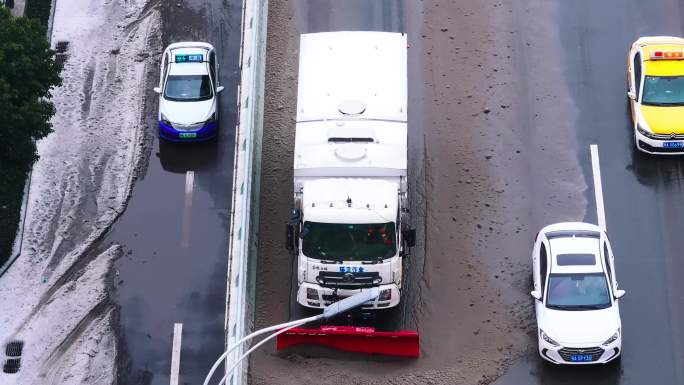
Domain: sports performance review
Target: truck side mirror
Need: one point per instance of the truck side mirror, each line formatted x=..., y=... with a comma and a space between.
x=409, y=236
x=290, y=237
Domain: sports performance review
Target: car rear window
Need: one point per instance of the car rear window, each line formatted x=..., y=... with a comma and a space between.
x=575, y=259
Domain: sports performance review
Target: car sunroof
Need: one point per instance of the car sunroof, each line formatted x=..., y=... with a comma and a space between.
x=575, y=259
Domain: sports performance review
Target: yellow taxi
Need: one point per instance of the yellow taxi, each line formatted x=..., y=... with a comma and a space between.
x=655, y=81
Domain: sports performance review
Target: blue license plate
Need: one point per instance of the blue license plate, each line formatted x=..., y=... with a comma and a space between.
x=673, y=145
x=580, y=358
x=187, y=135
x=351, y=269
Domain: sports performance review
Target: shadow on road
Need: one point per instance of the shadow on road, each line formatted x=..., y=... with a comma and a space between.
x=182, y=157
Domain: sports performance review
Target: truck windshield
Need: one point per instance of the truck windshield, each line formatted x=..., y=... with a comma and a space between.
x=349, y=242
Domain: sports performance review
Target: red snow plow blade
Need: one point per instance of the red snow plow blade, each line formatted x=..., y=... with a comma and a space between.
x=404, y=343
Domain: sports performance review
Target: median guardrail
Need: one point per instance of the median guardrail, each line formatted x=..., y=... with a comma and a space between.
x=246, y=177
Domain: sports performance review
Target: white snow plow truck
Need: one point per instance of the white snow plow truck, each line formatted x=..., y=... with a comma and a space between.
x=349, y=228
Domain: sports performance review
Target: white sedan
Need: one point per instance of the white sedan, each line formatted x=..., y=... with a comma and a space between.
x=576, y=295
x=188, y=92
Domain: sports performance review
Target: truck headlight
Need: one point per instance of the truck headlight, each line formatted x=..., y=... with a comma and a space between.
x=612, y=338
x=385, y=295
x=547, y=338
x=311, y=294
x=645, y=132
x=212, y=118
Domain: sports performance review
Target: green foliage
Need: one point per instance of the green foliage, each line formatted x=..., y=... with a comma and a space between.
x=28, y=71
x=38, y=9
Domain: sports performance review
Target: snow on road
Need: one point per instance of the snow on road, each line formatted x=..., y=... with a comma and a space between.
x=54, y=297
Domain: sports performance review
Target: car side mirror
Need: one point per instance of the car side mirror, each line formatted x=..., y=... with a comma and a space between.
x=219, y=89
x=536, y=294
x=290, y=237
x=157, y=90
x=631, y=95
x=619, y=293
x=409, y=236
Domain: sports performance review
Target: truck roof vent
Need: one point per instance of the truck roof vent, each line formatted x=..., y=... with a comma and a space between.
x=352, y=107
x=338, y=139
x=350, y=152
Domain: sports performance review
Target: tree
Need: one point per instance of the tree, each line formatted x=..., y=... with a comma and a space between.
x=28, y=71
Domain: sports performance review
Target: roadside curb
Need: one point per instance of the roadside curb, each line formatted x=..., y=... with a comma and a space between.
x=51, y=20
x=19, y=238
x=244, y=219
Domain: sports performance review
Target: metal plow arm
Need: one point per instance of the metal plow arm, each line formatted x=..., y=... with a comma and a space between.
x=403, y=343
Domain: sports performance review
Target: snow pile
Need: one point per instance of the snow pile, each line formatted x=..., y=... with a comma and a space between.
x=54, y=297
x=79, y=313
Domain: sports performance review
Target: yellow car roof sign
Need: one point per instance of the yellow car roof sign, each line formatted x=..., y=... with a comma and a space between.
x=663, y=52
x=664, y=60
x=667, y=55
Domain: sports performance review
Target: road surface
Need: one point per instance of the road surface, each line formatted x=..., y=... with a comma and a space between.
x=174, y=231
x=505, y=98
x=644, y=209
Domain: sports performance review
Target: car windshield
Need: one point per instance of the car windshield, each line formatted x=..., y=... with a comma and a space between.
x=663, y=91
x=187, y=88
x=578, y=292
x=348, y=242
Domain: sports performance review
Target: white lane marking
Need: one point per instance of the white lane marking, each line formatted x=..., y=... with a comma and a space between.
x=598, y=188
x=175, y=353
x=187, y=208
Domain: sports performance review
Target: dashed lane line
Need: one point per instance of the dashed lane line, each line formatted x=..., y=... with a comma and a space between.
x=175, y=353
x=598, y=188
x=187, y=209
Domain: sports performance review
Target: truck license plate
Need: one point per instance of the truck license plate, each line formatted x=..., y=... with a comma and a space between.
x=351, y=269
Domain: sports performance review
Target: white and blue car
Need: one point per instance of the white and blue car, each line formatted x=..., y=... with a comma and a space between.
x=188, y=92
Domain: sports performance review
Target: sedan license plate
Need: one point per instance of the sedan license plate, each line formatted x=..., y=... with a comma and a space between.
x=673, y=145
x=580, y=358
x=185, y=135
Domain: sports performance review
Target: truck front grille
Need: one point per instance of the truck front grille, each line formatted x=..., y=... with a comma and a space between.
x=348, y=280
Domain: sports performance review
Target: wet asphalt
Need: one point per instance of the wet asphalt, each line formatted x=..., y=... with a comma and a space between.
x=175, y=228
x=643, y=194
